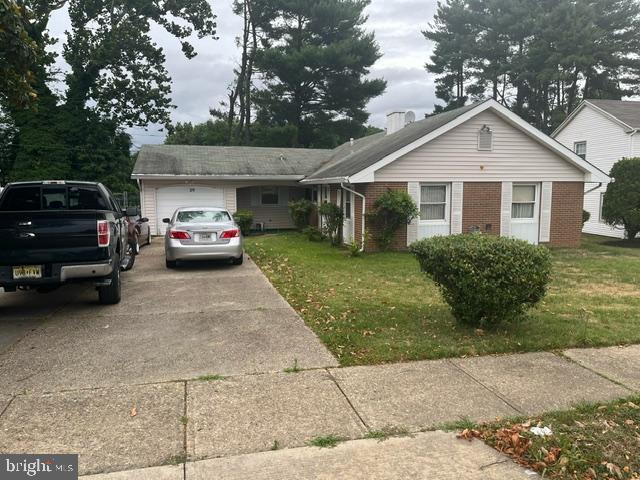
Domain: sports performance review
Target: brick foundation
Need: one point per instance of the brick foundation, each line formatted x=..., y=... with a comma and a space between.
x=481, y=207
x=566, y=214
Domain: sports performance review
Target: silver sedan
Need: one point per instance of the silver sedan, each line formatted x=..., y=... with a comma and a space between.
x=202, y=234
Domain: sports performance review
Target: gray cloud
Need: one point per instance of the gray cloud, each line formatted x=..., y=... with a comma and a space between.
x=201, y=83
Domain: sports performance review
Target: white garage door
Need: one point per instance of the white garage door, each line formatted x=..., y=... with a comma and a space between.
x=171, y=198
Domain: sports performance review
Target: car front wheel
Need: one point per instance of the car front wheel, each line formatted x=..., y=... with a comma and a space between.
x=171, y=263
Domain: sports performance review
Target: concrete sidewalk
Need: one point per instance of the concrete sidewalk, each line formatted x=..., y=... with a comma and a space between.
x=240, y=419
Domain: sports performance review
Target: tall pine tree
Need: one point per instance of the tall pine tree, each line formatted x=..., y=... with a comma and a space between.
x=313, y=63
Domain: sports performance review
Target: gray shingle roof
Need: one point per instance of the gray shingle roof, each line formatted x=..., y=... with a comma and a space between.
x=343, y=161
x=626, y=111
x=348, y=160
x=223, y=161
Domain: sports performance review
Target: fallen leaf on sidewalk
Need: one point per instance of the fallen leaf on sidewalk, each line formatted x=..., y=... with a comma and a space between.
x=134, y=411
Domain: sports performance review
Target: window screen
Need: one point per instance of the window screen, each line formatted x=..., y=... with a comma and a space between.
x=581, y=149
x=433, y=202
x=347, y=205
x=524, y=201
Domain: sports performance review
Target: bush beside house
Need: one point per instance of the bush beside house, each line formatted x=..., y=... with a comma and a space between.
x=621, y=204
x=244, y=219
x=332, y=219
x=300, y=211
x=486, y=280
x=392, y=210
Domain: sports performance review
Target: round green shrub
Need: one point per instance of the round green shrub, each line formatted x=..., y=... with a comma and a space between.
x=485, y=279
x=313, y=234
x=391, y=210
x=300, y=211
x=244, y=219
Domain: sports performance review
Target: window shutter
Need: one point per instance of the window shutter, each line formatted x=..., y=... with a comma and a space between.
x=413, y=189
x=255, y=197
x=283, y=196
x=545, y=211
x=457, y=189
x=505, y=209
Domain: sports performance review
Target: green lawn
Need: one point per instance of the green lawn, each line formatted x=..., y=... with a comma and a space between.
x=379, y=308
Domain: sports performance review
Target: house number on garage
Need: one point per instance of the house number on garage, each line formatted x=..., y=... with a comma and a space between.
x=192, y=190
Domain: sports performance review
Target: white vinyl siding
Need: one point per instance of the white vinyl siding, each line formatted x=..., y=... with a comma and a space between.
x=454, y=156
x=607, y=143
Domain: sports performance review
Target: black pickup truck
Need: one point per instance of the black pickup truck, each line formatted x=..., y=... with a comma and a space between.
x=55, y=232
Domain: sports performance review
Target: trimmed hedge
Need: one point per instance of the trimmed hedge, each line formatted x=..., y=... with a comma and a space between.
x=244, y=219
x=300, y=211
x=485, y=279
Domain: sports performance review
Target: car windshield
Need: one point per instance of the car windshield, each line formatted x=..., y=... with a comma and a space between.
x=203, y=216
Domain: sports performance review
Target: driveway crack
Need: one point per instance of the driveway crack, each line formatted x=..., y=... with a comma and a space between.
x=486, y=387
x=335, y=381
x=7, y=406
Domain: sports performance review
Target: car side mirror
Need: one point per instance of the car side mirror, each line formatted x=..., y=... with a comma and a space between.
x=132, y=212
x=144, y=220
x=166, y=220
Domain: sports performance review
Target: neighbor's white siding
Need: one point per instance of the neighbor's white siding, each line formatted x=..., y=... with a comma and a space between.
x=607, y=142
x=454, y=156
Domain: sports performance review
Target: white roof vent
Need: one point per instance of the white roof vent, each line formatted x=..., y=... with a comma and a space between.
x=485, y=138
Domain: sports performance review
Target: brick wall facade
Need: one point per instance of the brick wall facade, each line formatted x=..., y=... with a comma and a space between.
x=566, y=214
x=372, y=191
x=481, y=207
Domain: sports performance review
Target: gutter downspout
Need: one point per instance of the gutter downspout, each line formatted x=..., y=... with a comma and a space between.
x=594, y=188
x=364, y=206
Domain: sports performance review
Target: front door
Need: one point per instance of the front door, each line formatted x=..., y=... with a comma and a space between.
x=525, y=212
x=348, y=213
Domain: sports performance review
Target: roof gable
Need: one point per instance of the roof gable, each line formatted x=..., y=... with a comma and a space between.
x=351, y=159
x=624, y=113
x=592, y=173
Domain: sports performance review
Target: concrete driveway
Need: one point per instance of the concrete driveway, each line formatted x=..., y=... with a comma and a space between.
x=179, y=324
x=109, y=382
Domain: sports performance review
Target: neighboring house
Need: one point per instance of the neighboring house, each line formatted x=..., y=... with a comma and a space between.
x=476, y=168
x=602, y=132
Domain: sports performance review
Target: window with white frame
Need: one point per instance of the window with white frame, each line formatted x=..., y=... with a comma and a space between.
x=523, y=204
x=600, y=209
x=580, y=148
x=434, y=202
x=269, y=196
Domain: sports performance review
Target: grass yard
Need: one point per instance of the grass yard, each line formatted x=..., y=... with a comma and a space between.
x=589, y=442
x=380, y=308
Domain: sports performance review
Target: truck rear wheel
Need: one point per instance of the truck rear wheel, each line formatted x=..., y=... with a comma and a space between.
x=110, y=295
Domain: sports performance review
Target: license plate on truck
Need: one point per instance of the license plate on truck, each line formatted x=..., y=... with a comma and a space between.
x=27, y=272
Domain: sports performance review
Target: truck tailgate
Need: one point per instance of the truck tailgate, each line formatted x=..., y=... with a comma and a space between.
x=41, y=237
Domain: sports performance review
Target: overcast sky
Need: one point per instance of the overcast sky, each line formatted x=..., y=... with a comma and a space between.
x=201, y=83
